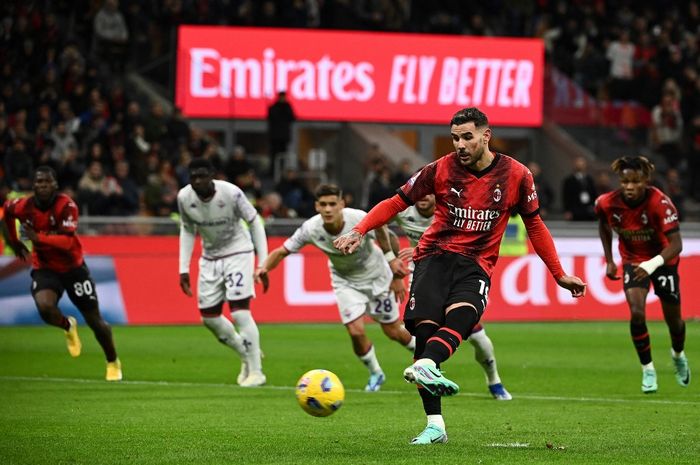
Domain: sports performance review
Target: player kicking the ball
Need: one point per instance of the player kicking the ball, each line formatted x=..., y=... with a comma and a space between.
x=362, y=281
x=475, y=191
x=413, y=222
x=214, y=209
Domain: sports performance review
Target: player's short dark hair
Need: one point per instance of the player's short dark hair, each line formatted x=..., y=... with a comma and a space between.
x=327, y=189
x=201, y=162
x=48, y=170
x=638, y=163
x=473, y=114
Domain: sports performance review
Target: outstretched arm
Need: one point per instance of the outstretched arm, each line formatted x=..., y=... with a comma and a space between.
x=270, y=263
x=377, y=216
x=544, y=247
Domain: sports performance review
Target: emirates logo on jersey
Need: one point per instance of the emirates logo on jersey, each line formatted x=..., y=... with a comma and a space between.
x=472, y=219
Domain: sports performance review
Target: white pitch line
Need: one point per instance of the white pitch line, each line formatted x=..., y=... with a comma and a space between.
x=645, y=400
x=509, y=444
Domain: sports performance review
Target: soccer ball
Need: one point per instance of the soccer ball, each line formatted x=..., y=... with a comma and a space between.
x=320, y=393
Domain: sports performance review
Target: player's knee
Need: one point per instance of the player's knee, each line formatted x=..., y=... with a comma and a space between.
x=396, y=332
x=637, y=316
x=462, y=319
x=356, y=331
x=45, y=307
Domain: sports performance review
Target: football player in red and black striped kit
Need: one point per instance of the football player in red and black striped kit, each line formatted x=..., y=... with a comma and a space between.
x=476, y=190
x=50, y=220
x=646, y=223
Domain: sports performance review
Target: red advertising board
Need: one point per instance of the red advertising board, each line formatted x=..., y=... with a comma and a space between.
x=227, y=72
x=300, y=290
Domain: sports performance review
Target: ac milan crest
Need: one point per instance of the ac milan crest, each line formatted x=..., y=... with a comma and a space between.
x=497, y=194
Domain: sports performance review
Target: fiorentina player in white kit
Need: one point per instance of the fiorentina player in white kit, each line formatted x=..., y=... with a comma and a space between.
x=214, y=209
x=363, y=281
x=413, y=222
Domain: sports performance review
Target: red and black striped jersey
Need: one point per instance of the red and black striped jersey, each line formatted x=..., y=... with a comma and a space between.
x=57, y=247
x=642, y=228
x=472, y=207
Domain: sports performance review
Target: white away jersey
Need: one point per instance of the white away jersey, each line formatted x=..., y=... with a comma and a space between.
x=218, y=219
x=412, y=223
x=366, y=264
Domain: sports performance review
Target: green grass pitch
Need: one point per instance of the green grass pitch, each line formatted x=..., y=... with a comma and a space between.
x=576, y=387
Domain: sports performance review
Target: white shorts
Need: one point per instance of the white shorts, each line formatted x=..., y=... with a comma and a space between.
x=354, y=303
x=229, y=278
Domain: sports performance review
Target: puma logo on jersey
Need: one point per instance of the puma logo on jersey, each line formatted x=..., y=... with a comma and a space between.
x=617, y=217
x=458, y=192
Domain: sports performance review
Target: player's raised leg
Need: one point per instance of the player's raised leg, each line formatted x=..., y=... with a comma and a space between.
x=486, y=357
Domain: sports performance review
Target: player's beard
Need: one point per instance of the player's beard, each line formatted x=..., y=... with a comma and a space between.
x=473, y=157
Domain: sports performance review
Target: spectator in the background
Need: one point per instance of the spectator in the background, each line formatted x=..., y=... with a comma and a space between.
x=280, y=117
x=621, y=55
x=666, y=131
x=160, y=193
x=376, y=162
x=177, y=129
x=251, y=186
x=62, y=140
x=694, y=157
x=93, y=190
x=381, y=188
x=402, y=174
x=578, y=193
x=110, y=35
x=603, y=183
x=673, y=187
x=18, y=166
x=124, y=193
x=271, y=206
x=155, y=124
x=71, y=169
x=237, y=163
x=296, y=194
x=545, y=193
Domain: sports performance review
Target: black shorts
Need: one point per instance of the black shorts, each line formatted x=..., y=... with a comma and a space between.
x=77, y=283
x=667, y=283
x=442, y=280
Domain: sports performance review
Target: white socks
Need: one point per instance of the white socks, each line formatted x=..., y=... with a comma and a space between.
x=370, y=361
x=224, y=331
x=251, y=338
x=436, y=420
x=484, y=354
x=411, y=346
x=648, y=366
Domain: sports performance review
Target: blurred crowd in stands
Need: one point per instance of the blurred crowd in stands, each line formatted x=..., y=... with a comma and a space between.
x=64, y=102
